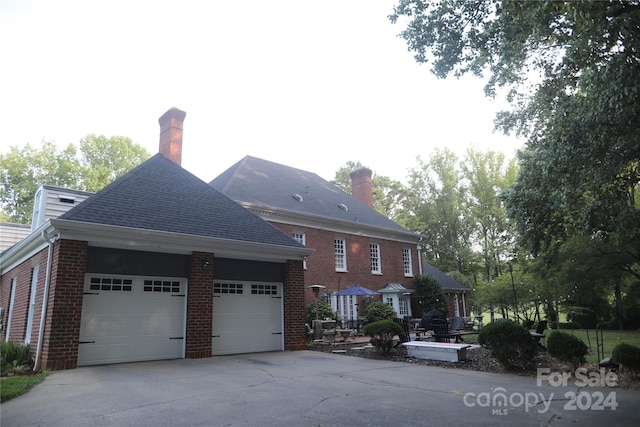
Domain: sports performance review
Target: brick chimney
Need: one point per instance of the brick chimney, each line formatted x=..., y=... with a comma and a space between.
x=361, y=187
x=171, y=124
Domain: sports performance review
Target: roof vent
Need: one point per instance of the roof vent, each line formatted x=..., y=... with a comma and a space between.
x=343, y=207
x=66, y=199
x=297, y=197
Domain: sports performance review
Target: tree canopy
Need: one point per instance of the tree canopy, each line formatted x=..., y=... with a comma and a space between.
x=91, y=166
x=570, y=71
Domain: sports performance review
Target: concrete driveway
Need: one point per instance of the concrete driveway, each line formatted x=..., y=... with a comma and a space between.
x=307, y=389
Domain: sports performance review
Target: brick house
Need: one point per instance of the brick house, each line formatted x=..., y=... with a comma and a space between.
x=157, y=265
x=353, y=243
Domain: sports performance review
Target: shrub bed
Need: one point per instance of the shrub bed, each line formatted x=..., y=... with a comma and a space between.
x=510, y=344
x=382, y=333
x=567, y=347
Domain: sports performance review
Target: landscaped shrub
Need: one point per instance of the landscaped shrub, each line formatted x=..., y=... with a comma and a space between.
x=628, y=356
x=323, y=309
x=567, y=347
x=15, y=357
x=382, y=333
x=379, y=311
x=510, y=343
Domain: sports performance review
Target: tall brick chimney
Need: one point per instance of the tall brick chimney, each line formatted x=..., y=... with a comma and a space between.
x=361, y=187
x=171, y=124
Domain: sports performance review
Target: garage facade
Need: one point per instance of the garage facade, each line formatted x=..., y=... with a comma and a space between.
x=130, y=274
x=130, y=319
x=247, y=317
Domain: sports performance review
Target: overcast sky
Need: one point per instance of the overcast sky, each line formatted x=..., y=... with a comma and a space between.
x=309, y=84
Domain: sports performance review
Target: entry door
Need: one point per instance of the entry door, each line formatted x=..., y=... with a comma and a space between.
x=247, y=317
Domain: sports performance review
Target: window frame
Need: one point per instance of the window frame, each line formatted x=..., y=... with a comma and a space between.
x=340, y=254
x=301, y=237
x=375, y=258
x=407, y=262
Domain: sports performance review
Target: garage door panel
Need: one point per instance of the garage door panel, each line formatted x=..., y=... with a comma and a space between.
x=132, y=325
x=247, y=317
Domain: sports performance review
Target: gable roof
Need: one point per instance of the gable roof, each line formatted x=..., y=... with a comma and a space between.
x=446, y=282
x=258, y=182
x=159, y=195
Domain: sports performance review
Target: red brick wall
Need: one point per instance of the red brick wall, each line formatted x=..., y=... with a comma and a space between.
x=199, y=306
x=20, y=312
x=62, y=327
x=294, y=307
x=321, y=264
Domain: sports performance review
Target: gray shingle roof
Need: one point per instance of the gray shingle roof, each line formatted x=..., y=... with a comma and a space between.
x=160, y=195
x=270, y=184
x=446, y=282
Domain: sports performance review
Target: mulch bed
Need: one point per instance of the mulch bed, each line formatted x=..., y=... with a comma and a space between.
x=478, y=359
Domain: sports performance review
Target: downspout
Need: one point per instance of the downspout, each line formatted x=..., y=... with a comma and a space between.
x=419, y=249
x=464, y=305
x=47, y=280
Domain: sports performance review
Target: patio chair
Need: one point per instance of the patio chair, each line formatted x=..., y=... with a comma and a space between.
x=441, y=330
x=539, y=333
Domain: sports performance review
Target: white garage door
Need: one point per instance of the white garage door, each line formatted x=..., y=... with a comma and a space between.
x=127, y=319
x=247, y=317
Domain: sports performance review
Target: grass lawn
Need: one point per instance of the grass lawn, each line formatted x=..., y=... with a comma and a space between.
x=11, y=387
x=610, y=338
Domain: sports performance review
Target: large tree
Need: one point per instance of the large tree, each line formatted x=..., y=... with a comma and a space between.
x=97, y=162
x=570, y=71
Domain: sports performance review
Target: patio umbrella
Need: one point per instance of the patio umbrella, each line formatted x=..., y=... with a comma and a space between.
x=357, y=290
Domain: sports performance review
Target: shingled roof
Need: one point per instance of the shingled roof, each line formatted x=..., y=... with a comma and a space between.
x=446, y=282
x=260, y=182
x=159, y=195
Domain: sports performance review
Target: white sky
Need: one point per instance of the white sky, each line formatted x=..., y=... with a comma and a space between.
x=309, y=84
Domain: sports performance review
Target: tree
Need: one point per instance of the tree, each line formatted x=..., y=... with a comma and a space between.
x=570, y=71
x=437, y=203
x=389, y=196
x=487, y=176
x=429, y=294
x=95, y=164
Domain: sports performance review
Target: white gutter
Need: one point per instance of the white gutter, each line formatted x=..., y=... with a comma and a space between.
x=47, y=281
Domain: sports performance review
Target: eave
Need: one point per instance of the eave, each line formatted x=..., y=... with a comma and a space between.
x=272, y=214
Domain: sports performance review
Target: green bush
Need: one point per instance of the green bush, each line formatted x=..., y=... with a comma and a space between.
x=15, y=357
x=510, y=343
x=567, y=347
x=323, y=309
x=382, y=333
x=627, y=355
x=379, y=311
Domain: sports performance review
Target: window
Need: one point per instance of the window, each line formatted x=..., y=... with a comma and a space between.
x=388, y=301
x=11, y=303
x=406, y=260
x=374, y=251
x=302, y=239
x=32, y=304
x=403, y=305
x=339, y=247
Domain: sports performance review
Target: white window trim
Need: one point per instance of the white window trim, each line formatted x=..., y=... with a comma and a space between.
x=374, y=249
x=11, y=303
x=407, y=262
x=32, y=304
x=302, y=240
x=343, y=254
